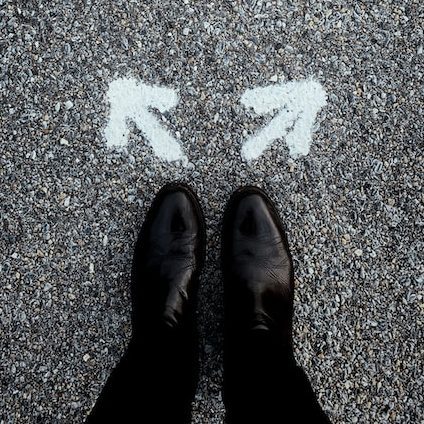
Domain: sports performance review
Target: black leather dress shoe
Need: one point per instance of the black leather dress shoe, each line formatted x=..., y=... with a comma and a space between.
x=257, y=266
x=169, y=255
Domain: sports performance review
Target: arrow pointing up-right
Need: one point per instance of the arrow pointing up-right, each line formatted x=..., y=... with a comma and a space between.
x=298, y=103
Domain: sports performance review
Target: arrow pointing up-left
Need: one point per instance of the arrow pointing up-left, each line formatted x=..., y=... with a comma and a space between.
x=131, y=100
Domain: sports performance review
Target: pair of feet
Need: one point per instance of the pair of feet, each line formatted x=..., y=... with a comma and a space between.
x=256, y=260
x=157, y=377
x=258, y=275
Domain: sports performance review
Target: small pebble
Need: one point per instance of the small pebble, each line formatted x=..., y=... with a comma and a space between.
x=69, y=105
x=358, y=252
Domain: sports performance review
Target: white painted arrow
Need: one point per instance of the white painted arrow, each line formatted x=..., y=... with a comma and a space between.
x=298, y=103
x=131, y=100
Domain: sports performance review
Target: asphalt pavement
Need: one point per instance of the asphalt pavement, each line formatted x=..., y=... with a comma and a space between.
x=80, y=165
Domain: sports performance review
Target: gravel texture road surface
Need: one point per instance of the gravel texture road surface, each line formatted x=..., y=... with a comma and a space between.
x=70, y=207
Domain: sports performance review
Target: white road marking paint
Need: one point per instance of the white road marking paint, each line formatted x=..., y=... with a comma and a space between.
x=131, y=100
x=298, y=103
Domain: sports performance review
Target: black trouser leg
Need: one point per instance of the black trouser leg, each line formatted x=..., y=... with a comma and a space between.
x=117, y=399
x=263, y=384
x=153, y=382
